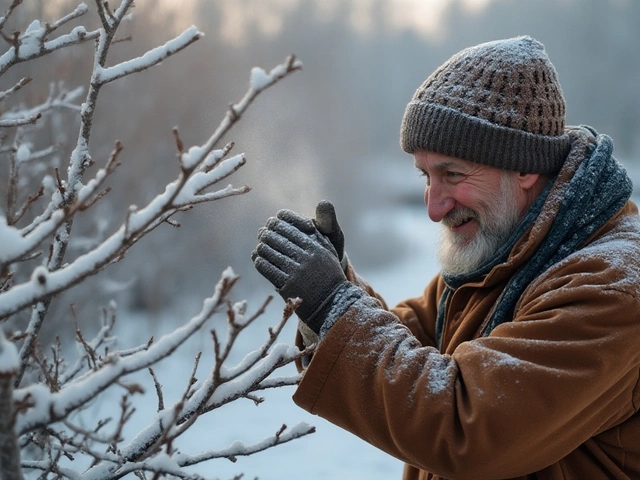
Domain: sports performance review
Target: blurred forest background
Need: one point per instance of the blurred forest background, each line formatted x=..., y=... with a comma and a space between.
x=330, y=131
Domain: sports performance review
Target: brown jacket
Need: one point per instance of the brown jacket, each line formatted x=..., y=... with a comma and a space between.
x=554, y=394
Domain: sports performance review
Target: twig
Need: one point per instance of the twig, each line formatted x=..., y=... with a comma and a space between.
x=237, y=449
x=7, y=14
x=21, y=83
x=17, y=122
x=25, y=207
x=136, y=224
x=179, y=142
x=158, y=387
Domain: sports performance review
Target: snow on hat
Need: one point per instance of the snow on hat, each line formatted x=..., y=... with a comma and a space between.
x=498, y=104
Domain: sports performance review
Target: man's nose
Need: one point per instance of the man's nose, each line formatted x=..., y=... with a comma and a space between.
x=438, y=201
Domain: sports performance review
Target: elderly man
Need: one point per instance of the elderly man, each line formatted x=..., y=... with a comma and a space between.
x=522, y=357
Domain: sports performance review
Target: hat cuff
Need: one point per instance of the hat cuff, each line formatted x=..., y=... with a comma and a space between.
x=440, y=129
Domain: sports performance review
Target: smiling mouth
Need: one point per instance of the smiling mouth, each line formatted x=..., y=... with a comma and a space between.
x=458, y=218
x=460, y=222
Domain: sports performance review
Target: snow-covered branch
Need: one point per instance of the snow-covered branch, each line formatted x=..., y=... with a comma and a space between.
x=43, y=396
x=201, y=168
x=149, y=59
x=144, y=451
x=8, y=12
x=63, y=100
x=238, y=449
x=36, y=40
x=7, y=93
x=260, y=81
x=47, y=407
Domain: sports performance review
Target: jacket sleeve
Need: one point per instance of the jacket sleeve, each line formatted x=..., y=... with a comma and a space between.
x=500, y=406
x=419, y=314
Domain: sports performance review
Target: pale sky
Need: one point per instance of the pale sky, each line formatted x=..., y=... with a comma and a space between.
x=421, y=15
x=267, y=15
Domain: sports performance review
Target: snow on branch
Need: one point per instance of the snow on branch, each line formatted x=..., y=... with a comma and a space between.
x=21, y=83
x=238, y=449
x=236, y=110
x=42, y=395
x=26, y=120
x=35, y=41
x=46, y=407
x=182, y=193
x=174, y=420
x=8, y=12
x=150, y=450
x=63, y=100
x=149, y=59
x=19, y=243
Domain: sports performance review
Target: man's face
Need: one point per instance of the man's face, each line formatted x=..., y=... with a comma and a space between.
x=478, y=207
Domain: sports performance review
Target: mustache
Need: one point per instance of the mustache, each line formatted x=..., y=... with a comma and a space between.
x=458, y=216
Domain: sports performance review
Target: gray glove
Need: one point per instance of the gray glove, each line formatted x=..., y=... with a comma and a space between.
x=327, y=223
x=300, y=262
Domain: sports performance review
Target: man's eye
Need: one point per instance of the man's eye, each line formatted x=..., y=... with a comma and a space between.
x=453, y=174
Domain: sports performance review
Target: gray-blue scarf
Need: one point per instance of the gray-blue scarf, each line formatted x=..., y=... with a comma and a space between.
x=599, y=188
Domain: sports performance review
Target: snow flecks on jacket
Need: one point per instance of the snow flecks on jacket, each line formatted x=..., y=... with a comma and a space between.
x=615, y=254
x=616, y=250
x=396, y=352
x=489, y=358
x=501, y=359
x=441, y=372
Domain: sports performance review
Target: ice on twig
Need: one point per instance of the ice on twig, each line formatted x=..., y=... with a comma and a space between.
x=39, y=275
x=201, y=180
x=33, y=27
x=259, y=79
x=13, y=243
x=150, y=58
x=192, y=157
x=31, y=39
x=23, y=154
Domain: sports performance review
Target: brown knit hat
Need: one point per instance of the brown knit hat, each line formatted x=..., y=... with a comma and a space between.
x=498, y=104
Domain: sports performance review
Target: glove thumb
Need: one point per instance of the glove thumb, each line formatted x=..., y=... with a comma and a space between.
x=327, y=223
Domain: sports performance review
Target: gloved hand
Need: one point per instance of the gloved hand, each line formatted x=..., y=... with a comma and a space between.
x=327, y=223
x=300, y=262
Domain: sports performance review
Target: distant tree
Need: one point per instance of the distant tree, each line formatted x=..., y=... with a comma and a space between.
x=42, y=391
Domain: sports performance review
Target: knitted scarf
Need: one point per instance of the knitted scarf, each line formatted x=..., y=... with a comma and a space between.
x=591, y=187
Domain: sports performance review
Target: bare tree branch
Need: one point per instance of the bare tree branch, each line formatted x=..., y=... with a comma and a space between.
x=181, y=193
x=84, y=388
x=17, y=122
x=33, y=44
x=7, y=14
x=7, y=93
x=43, y=397
x=148, y=60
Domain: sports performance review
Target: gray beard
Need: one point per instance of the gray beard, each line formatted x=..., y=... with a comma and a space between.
x=496, y=221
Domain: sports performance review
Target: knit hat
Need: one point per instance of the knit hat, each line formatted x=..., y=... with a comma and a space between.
x=498, y=104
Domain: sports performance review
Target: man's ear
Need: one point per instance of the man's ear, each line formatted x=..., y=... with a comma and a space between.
x=527, y=180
